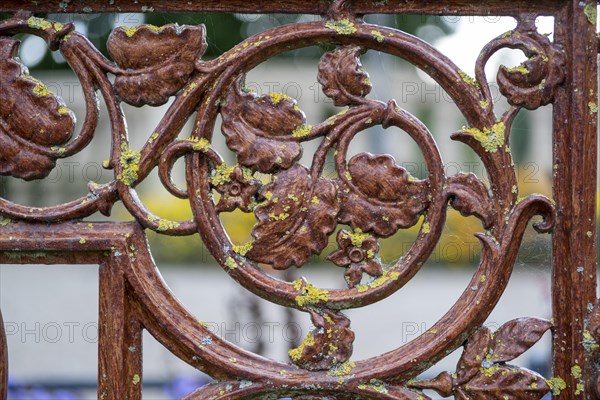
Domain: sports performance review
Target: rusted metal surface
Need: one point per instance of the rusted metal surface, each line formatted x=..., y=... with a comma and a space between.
x=574, y=241
x=299, y=209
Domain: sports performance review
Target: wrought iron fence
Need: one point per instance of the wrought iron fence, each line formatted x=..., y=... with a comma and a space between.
x=298, y=209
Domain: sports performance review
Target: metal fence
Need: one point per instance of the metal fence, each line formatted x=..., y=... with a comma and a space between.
x=297, y=209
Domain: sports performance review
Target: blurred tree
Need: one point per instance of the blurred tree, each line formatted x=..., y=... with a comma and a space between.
x=224, y=30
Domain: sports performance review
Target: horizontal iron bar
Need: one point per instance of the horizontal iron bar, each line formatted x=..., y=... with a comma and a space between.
x=78, y=385
x=435, y=7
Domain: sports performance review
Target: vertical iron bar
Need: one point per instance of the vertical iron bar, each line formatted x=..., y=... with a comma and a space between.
x=120, y=338
x=575, y=158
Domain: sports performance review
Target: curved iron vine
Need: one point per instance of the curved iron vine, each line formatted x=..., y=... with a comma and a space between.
x=298, y=209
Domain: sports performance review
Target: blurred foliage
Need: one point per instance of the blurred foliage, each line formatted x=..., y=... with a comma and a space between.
x=223, y=31
x=519, y=136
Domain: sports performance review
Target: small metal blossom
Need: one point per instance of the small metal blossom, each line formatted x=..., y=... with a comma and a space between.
x=237, y=187
x=358, y=253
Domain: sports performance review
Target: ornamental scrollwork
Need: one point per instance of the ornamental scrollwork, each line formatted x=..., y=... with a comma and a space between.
x=482, y=372
x=31, y=114
x=163, y=69
x=297, y=209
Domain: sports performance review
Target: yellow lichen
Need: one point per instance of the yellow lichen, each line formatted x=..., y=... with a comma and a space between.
x=296, y=354
x=484, y=104
x=82, y=241
x=542, y=84
x=242, y=249
x=279, y=217
x=136, y=379
x=375, y=385
x=344, y=111
x=276, y=98
x=63, y=110
x=589, y=343
x=580, y=388
x=342, y=369
x=129, y=161
x=426, y=228
x=589, y=234
x=377, y=35
x=230, y=263
x=222, y=174
x=357, y=237
x=591, y=13
x=59, y=150
x=576, y=371
x=342, y=27
x=301, y=131
x=203, y=145
x=40, y=23
x=556, y=385
x=153, y=137
x=4, y=221
x=41, y=90
x=520, y=69
x=490, y=139
x=129, y=30
x=189, y=88
x=489, y=371
x=309, y=294
x=593, y=107
x=387, y=276
x=467, y=79
x=154, y=27
x=247, y=172
x=165, y=225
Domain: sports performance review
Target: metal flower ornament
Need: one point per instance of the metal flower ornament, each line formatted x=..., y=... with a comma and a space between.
x=359, y=254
